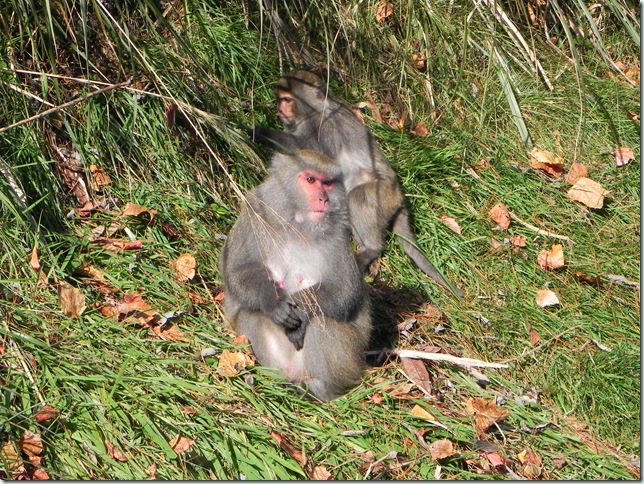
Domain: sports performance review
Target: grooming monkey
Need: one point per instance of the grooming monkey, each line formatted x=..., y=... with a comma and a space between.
x=314, y=119
x=291, y=279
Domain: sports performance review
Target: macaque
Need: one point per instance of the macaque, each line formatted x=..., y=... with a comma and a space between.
x=291, y=280
x=314, y=119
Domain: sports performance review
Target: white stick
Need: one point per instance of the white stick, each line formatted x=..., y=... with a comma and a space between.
x=424, y=355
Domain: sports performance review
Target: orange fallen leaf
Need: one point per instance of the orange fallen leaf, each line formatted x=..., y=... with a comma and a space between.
x=285, y=444
x=534, y=336
x=441, y=449
x=132, y=209
x=181, y=444
x=417, y=372
x=152, y=471
x=495, y=245
x=376, y=398
x=451, y=223
x=421, y=129
x=88, y=270
x=46, y=414
x=518, y=240
x=495, y=459
x=545, y=161
x=169, y=332
x=384, y=10
x=184, y=267
x=100, y=177
x=420, y=412
x=551, y=259
x=232, y=362
x=588, y=192
x=132, y=302
x=623, y=156
x=114, y=453
x=500, y=214
x=34, y=262
x=577, y=171
x=11, y=460
x=321, y=474
x=485, y=413
x=40, y=474
x=531, y=463
x=545, y=297
x=71, y=300
x=30, y=444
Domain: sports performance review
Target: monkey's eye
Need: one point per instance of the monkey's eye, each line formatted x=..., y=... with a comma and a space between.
x=328, y=183
x=310, y=179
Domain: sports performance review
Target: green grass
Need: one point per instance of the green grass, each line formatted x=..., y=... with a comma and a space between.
x=574, y=395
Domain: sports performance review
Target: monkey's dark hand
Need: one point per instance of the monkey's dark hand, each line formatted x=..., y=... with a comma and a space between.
x=296, y=336
x=285, y=311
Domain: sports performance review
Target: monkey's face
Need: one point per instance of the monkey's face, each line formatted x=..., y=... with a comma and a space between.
x=318, y=190
x=286, y=108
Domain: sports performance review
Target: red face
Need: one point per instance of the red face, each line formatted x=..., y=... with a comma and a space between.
x=317, y=189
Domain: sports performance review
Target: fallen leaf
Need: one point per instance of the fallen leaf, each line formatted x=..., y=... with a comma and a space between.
x=321, y=474
x=34, y=262
x=10, y=458
x=495, y=245
x=420, y=412
x=232, y=362
x=46, y=414
x=551, y=259
x=623, y=156
x=545, y=297
x=588, y=279
x=181, y=444
x=485, y=413
x=384, y=10
x=184, y=267
x=152, y=471
x=242, y=339
x=100, y=177
x=518, y=240
x=417, y=372
x=531, y=464
x=577, y=171
x=534, y=336
x=500, y=214
x=88, y=270
x=495, y=459
x=559, y=462
x=376, y=398
x=40, y=474
x=132, y=302
x=285, y=444
x=114, y=453
x=169, y=332
x=545, y=161
x=588, y=192
x=441, y=449
x=71, y=300
x=132, y=209
x=451, y=223
x=421, y=130
x=30, y=444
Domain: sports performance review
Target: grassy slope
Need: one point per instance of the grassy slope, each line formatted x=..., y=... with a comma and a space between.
x=114, y=381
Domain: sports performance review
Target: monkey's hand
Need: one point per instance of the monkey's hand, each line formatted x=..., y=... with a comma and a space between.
x=296, y=336
x=285, y=311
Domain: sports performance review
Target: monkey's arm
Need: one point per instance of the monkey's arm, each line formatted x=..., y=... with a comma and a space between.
x=278, y=140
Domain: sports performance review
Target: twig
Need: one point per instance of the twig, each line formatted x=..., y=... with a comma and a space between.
x=538, y=230
x=65, y=106
x=425, y=355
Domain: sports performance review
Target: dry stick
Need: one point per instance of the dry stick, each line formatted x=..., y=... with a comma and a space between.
x=424, y=355
x=538, y=230
x=64, y=106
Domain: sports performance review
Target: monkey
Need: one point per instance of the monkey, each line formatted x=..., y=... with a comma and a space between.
x=291, y=280
x=314, y=119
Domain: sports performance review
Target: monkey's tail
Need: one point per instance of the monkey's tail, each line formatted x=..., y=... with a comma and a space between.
x=402, y=228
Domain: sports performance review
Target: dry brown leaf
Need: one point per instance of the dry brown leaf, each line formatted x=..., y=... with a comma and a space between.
x=500, y=214
x=88, y=270
x=421, y=130
x=531, y=464
x=577, y=171
x=285, y=444
x=169, y=332
x=419, y=411
x=132, y=302
x=588, y=192
x=451, y=223
x=551, y=259
x=232, y=362
x=46, y=414
x=30, y=444
x=34, y=262
x=321, y=474
x=152, y=471
x=384, y=10
x=134, y=210
x=495, y=459
x=10, y=458
x=623, y=155
x=545, y=297
x=40, y=474
x=441, y=449
x=376, y=398
x=534, y=336
x=181, y=444
x=184, y=267
x=99, y=177
x=114, y=453
x=559, y=462
x=518, y=240
x=417, y=372
x=495, y=245
x=545, y=161
x=71, y=300
x=485, y=413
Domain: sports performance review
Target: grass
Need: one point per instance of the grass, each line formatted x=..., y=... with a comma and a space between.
x=573, y=396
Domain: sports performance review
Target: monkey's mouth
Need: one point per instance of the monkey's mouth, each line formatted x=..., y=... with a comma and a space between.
x=318, y=215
